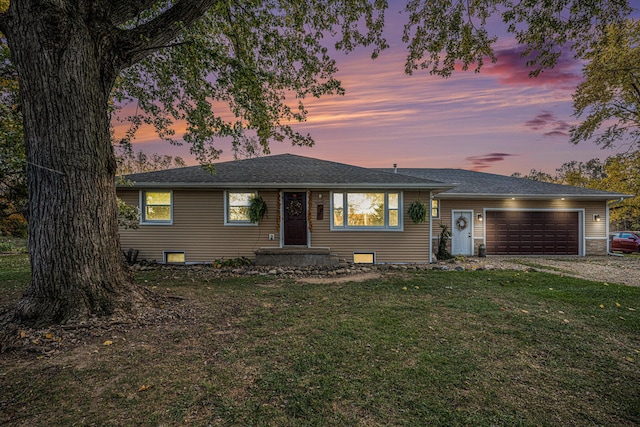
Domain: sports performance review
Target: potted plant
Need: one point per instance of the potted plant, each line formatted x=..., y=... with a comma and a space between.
x=257, y=209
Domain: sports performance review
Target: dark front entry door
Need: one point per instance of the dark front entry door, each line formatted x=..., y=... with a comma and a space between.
x=295, y=218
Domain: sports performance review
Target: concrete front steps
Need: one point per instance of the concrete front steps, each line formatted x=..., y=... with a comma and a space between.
x=296, y=256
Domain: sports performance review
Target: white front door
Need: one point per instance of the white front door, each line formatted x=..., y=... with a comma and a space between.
x=462, y=233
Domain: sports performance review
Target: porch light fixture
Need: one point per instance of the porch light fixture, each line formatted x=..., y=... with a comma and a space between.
x=596, y=217
x=480, y=217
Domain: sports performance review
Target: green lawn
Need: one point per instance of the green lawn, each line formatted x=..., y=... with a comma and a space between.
x=12, y=245
x=435, y=348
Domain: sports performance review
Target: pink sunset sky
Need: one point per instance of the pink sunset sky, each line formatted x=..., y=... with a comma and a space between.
x=499, y=120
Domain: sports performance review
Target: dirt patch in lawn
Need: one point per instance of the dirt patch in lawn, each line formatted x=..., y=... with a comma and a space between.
x=362, y=277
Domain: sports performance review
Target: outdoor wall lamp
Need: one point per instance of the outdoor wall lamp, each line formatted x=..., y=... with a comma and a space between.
x=596, y=217
x=480, y=217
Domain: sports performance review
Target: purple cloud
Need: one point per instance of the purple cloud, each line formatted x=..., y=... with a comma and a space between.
x=511, y=68
x=485, y=161
x=555, y=133
x=546, y=120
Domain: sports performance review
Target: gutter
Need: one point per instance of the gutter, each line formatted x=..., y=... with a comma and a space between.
x=430, y=227
x=502, y=196
x=280, y=185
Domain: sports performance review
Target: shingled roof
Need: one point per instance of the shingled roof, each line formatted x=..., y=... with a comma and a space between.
x=281, y=171
x=488, y=185
x=292, y=171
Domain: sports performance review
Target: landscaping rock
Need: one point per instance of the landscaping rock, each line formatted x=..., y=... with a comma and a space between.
x=606, y=269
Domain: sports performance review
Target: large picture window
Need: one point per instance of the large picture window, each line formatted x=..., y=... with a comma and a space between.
x=237, y=207
x=156, y=207
x=366, y=211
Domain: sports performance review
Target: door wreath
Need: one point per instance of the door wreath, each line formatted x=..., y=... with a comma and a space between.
x=461, y=223
x=294, y=208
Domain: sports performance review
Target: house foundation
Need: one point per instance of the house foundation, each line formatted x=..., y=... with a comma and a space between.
x=296, y=257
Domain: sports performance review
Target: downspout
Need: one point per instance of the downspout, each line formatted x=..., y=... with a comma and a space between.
x=430, y=227
x=609, y=203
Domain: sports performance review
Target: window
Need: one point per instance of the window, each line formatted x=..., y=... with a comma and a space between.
x=237, y=207
x=174, y=257
x=157, y=207
x=366, y=211
x=435, y=208
x=364, y=258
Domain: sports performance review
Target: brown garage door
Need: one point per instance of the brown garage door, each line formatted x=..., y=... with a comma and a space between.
x=532, y=233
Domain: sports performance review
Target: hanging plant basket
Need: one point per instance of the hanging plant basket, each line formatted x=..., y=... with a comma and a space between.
x=418, y=212
x=257, y=209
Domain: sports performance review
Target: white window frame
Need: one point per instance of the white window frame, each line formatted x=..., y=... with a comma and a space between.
x=385, y=227
x=143, y=208
x=229, y=222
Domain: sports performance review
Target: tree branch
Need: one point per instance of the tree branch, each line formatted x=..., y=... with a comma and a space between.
x=140, y=41
x=126, y=10
x=623, y=108
x=635, y=89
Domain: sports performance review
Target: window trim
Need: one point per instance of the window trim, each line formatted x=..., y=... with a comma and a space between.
x=226, y=209
x=385, y=227
x=143, y=208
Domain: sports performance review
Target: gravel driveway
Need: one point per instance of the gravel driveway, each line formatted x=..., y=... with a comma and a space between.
x=611, y=269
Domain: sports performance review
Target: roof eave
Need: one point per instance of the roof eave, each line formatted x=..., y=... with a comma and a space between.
x=496, y=196
x=279, y=185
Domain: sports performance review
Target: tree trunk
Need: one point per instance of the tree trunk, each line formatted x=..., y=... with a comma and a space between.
x=65, y=83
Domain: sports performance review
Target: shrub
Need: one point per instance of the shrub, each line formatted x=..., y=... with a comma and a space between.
x=445, y=235
x=15, y=226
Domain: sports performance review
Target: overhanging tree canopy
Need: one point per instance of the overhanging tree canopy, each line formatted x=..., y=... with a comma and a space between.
x=183, y=60
x=609, y=97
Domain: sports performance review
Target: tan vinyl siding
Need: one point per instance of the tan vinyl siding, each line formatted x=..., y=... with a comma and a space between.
x=410, y=245
x=592, y=230
x=198, y=228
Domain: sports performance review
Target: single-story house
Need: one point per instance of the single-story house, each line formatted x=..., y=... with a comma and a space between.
x=361, y=214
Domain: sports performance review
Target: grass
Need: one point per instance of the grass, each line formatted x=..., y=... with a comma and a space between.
x=12, y=245
x=433, y=348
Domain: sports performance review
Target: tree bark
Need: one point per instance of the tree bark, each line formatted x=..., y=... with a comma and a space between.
x=65, y=81
x=68, y=55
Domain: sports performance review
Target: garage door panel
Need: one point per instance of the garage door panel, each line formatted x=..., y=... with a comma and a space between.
x=532, y=233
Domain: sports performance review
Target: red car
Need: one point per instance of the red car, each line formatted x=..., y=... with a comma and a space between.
x=625, y=241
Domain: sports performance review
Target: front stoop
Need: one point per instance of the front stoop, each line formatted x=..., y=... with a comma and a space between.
x=296, y=257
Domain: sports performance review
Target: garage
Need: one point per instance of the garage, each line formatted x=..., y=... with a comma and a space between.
x=532, y=232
